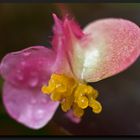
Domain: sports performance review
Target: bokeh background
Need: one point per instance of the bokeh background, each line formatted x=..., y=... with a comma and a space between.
x=24, y=25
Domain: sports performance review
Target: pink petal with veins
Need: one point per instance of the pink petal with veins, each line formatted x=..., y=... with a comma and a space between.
x=114, y=46
x=28, y=106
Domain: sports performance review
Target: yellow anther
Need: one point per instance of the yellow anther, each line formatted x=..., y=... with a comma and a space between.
x=65, y=106
x=80, y=91
x=47, y=89
x=67, y=103
x=61, y=88
x=55, y=96
x=82, y=102
x=71, y=94
x=78, y=111
x=96, y=106
x=95, y=93
x=77, y=94
x=88, y=89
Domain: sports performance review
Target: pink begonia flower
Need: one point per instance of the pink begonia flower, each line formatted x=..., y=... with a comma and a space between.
x=37, y=79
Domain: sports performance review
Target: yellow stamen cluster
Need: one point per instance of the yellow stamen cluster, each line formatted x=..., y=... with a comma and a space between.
x=72, y=94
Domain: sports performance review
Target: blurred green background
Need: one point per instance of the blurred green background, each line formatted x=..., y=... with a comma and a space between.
x=24, y=25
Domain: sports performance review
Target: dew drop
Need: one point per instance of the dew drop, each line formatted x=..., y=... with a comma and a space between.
x=23, y=63
x=33, y=101
x=39, y=113
x=44, y=100
x=33, y=81
x=26, y=53
x=19, y=75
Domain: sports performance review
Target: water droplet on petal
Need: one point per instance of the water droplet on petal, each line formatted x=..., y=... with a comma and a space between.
x=26, y=53
x=39, y=113
x=19, y=75
x=23, y=63
x=33, y=81
x=33, y=101
x=44, y=100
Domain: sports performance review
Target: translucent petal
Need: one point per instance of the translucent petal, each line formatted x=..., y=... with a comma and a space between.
x=107, y=47
x=114, y=45
x=59, y=42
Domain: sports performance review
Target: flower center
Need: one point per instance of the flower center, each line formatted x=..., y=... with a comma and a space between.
x=72, y=94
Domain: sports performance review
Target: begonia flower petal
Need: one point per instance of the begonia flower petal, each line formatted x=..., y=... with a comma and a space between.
x=25, y=72
x=107, y=47
x=115, y=45
x=59, y=42
x=27, y=106
x=30, y=67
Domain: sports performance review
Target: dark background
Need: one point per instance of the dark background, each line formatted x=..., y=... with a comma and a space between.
x=24, y=25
